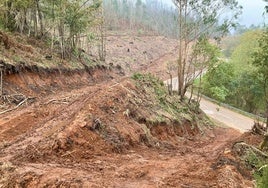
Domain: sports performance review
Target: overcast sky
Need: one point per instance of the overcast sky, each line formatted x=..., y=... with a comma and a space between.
x=252, y=12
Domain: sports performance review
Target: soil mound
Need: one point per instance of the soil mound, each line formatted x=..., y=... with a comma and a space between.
x=121, y=133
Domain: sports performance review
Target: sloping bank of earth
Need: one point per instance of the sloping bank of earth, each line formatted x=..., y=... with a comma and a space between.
x=78, y=124
x=118, y=133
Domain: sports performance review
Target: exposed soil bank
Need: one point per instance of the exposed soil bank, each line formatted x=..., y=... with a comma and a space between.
x=108, y=133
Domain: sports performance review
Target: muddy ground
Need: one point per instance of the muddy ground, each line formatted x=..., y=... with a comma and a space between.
x=58, y=141
x=82, y=130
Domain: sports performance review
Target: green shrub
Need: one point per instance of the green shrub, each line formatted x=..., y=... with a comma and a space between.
x=262, y=177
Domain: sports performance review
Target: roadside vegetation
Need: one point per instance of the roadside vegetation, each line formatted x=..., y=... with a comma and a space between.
x=241, y=80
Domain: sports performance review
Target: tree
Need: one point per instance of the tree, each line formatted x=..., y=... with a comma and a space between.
x=218, y=81
x=260, y=60
x=64, y=21
x=241, y=56
x=237, y=81
x=246, y=91
x=266, y=7
x=141, y=15
x=198, y=18
x=205, y=57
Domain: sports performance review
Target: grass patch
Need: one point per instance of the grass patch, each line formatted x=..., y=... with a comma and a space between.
x=262, y=177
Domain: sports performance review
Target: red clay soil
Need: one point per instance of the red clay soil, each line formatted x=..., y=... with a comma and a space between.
x=89, y=129
x=85, y=136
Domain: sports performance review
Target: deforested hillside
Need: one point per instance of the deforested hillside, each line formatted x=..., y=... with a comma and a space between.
x=85, y=100
x=116, y=133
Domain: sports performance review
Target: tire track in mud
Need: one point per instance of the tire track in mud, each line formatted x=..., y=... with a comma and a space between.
x=189, y=165
x=60, y=116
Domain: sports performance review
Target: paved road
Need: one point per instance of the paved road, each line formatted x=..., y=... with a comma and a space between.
x=221, y=114
x=226, y=116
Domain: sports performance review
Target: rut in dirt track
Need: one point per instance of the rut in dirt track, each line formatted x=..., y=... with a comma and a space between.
x=44, y=118
x=58, y=147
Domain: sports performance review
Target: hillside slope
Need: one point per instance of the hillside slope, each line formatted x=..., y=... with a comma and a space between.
x=93, y=128
x=116, y=133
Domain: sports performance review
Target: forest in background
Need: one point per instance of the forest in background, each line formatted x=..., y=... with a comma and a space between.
x=65, y=25
x=149, y=16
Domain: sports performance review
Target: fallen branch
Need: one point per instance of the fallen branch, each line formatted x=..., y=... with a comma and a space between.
x=116, y=83
x=8, y=110
x=14, y=98
x=68, y=153
x=3, y=106
x=244, y=146
x=265, y=166
x=58, y=101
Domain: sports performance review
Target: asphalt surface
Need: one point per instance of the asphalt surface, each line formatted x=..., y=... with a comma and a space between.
x=222, y=115
x=226, y=116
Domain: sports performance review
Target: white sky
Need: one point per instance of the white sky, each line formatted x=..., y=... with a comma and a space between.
x=252, y=11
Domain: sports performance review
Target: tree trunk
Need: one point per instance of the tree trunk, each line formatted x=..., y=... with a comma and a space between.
x=61, y=38
x=102, y=47
x=199, y=90
x=53, y=21
x=184, y=55
x=180, y=67
x=1, y=82
x=35, y=23
x=267, y=116
x=170, y=85
x=25, y=22
x=182, y=8
x=192, y=90
x=191, y=95
x=9, y=17
x=40, y=18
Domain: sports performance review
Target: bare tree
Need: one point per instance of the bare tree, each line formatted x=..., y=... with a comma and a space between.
x=198, y=18
x=171, y=67
x=102, y=45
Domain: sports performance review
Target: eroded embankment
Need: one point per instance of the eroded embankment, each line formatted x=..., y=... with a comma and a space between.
x=27, y=88
x=113, y=133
